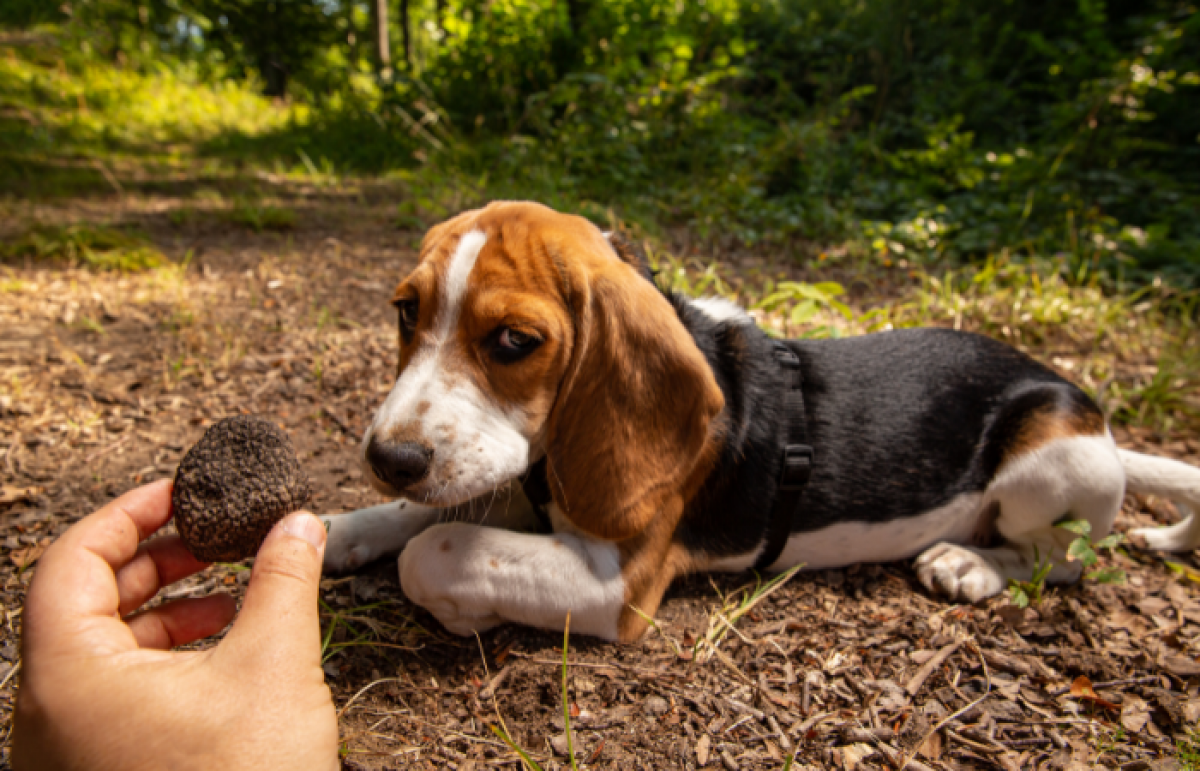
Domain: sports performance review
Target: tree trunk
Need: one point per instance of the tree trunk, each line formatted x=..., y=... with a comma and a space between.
x=576, y=11
x=404, y=34
x=379, y=34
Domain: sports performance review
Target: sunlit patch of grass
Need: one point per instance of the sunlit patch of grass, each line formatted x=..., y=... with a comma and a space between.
x=1167, y=398
x=73, y=123
x=259, y=217
x=92, y=246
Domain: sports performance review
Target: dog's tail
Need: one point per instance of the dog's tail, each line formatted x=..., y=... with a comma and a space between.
x=1171, y=479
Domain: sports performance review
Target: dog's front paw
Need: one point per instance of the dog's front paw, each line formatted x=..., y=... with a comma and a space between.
x=964, y=575
x=436, y=572
x=346, y=549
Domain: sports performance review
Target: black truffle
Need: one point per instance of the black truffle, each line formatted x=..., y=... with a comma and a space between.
x=233, y=486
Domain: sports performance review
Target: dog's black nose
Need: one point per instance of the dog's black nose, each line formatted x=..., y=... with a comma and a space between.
x=399, y=465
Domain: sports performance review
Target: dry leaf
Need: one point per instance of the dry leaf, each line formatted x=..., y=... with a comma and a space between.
x=1134, y=714
x=23, y=558
x=1181, y=666
x=854, y=754
x=1081, y=688
x=932, y=747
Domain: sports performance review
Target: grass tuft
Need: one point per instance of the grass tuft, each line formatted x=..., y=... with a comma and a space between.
x=260, y=217
x=92, y=246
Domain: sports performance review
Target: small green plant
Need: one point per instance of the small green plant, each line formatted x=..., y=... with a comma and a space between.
x=804, y=299
x=184, y=215
x=734, y=606
x=1170, y=395
x=1026, y=593
x=260, y=217
x=1084, y=549
x=93, y=246
x=362, y=627
x=502, y=734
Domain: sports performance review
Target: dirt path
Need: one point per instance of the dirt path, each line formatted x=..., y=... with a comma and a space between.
x=107, y=379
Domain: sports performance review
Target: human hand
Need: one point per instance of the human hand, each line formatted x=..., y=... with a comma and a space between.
x=101, y=688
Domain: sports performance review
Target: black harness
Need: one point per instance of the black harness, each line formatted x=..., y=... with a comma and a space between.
x=795, y=468
x=797, y=461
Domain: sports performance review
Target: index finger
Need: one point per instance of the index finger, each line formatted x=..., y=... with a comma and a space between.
x=76, y=577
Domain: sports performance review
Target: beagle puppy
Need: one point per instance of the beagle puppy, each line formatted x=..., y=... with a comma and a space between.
x=533, y=353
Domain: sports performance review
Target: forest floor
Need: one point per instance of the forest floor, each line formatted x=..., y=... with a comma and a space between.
x=108, y=377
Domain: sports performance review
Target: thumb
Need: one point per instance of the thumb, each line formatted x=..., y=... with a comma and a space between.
x=279, y=619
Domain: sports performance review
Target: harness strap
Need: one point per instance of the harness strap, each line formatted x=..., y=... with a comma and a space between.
x=537, y=490
x=797, y=459
x=796, y=466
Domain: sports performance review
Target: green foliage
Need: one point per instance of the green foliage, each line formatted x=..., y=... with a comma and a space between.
x=95, y=247
x=937, y=131
x=1083, y=549
x=1188, y=751
x=1026, y=593
x=259, y=217
x=1163, y=400
x=69, y=121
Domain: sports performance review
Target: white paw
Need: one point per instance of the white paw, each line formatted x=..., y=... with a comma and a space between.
x=436, y=572
x=345, y=550
x=959, y=573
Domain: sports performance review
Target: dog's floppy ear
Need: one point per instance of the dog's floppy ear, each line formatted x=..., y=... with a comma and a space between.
x=633, y=411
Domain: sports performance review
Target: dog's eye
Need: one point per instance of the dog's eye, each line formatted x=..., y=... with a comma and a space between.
x=408, y=313
x=512, y=345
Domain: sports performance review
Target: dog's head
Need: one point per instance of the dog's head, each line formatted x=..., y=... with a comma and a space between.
x=524, y=334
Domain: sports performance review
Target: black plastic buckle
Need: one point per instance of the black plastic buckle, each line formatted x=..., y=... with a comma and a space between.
x=797, y=466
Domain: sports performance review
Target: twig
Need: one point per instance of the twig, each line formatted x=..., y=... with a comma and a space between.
x=363, y=690
x=954, y=715
x=590, y=665
x=10, y=674
x=1147, y=680
x=974, y=744
x=489, y=690
x=918, y=680
x=105, y=451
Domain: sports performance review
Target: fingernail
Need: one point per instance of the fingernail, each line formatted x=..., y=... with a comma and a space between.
x=306, y=526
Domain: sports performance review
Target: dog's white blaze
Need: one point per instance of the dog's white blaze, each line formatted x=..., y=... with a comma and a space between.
x=454, y=283
x=476, y=444
x=848, y=543
x=719, y=309
x=474, y=578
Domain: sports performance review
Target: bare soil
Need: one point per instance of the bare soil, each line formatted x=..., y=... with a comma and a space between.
x=108, y=379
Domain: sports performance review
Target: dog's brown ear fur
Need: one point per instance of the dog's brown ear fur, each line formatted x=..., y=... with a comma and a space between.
x=632, y=415
x=630, y=251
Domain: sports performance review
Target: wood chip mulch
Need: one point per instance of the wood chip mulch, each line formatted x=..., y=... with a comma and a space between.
x=855, y=668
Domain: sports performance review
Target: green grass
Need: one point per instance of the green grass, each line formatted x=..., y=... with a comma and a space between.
x=72, y=124
x=259, y=217
x=92, y=246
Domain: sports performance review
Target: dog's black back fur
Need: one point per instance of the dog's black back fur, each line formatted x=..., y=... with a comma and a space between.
x=901, y=423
